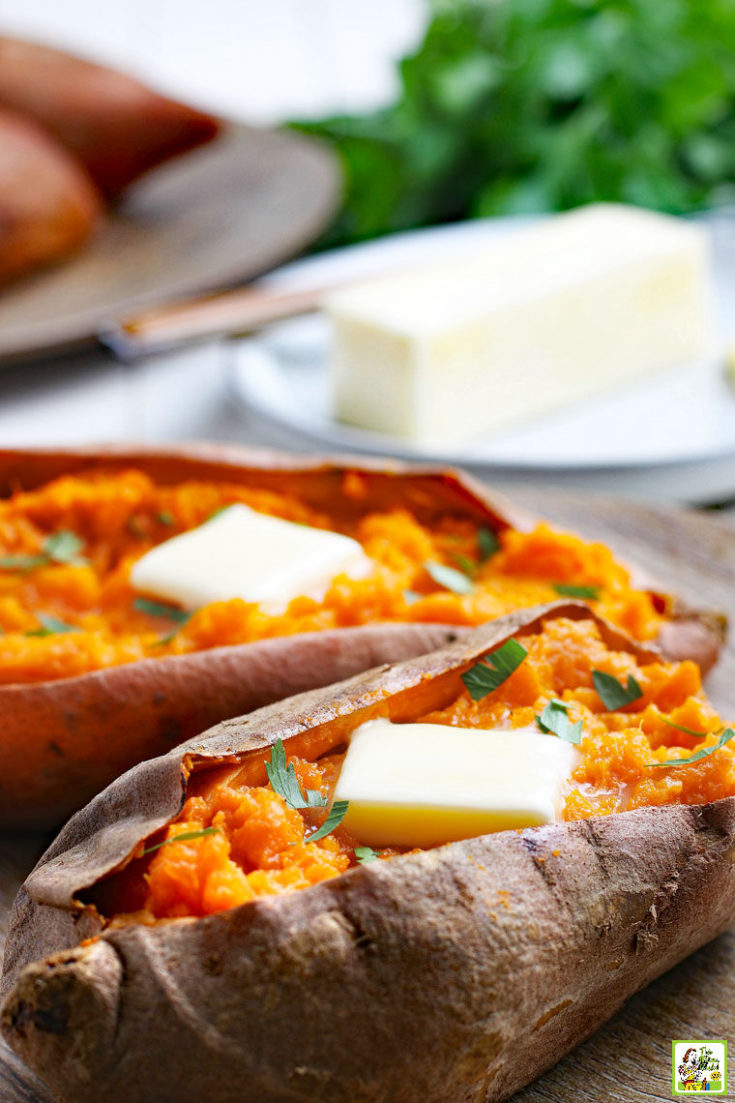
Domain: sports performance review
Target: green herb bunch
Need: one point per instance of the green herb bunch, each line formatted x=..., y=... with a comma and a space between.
x=519, y=106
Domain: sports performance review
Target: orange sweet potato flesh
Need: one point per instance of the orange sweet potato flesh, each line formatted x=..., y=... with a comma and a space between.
x=116, y=126
x=457, y=973
x=88, y=728
x=259, y=846
x=48, y=206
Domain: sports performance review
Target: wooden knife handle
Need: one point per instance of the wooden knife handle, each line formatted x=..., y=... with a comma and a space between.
x=228, y=313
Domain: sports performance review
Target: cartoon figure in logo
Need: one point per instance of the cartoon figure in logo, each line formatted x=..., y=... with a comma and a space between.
x=693, y=1071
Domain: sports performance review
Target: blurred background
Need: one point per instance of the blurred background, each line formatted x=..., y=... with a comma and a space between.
x=264, y=61
x=437, y=112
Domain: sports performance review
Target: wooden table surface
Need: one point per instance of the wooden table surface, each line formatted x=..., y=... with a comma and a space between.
x=629, y=1059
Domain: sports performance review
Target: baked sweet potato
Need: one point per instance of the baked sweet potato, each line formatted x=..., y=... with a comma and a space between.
x=89, y=726
x=48, y=206
x=116, y=126
x=459, y=972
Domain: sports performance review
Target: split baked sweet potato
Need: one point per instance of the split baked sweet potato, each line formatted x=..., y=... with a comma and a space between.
x=190, y=935
x=48, y=206
x=90, y=684
x=114, y=125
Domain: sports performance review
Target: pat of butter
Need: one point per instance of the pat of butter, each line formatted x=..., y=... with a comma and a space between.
x=240, y=553
x=546, y=316
x=427, y=784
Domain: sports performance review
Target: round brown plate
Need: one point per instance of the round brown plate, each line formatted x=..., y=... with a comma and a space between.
x=210, y=219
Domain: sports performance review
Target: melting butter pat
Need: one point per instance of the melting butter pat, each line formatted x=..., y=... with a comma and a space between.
x=426, y=784
x=240, y=553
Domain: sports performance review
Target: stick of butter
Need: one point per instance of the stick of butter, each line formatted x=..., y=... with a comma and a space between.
x=551, y=314
x=250, y=555
x=427, y=784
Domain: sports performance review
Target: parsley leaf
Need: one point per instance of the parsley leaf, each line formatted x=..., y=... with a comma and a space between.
x=164, y=517
x=614, y=695
x=21, y=562
x=588, y=593
x=689, y=731
x=284, y=781
x=64, y=547
x=485, y=677
x=334, y=819
x=365, y=855
x=183, y=837
x=159, y=609
x=448, y=578
x=465, y=564
x=51, y=626
x=704, y=752
x=60, y=547
x=487, y=544
x=555, y=718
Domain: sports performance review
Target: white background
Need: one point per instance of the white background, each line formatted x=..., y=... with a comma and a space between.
x=261, y=60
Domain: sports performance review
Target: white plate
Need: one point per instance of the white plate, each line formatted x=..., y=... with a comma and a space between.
x=670, y=436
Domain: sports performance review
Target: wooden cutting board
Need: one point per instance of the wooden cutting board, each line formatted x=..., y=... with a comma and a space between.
x=213, y=218
x=629, y=1059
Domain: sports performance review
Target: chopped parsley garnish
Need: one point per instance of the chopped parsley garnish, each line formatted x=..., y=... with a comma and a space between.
x=485, y=677
x=487, y=544
x=160, y=609
x=183, y=837
x=59, y=547
x=165, y=518
x=167, y=638
x=64, y=547
x=689, y=731
x=612, y=693
x=365, y=855
x=555, y=718
x=703, y=752
x=334, y=819
x=51, y=626
x=284, y=782
x=449, y=578
x=22, y=562
x=586, y=593
x=465, y=564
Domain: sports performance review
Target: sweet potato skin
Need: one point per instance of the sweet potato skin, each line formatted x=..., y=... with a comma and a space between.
x=48, y=206
x=459, y=973
x=407, y=981
x=88, y=729
x=113, y=124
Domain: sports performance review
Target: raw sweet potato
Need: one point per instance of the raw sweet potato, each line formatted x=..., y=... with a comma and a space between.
x=116, y=126
x=459, y=972
x=89, y=727
x=48, y=206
